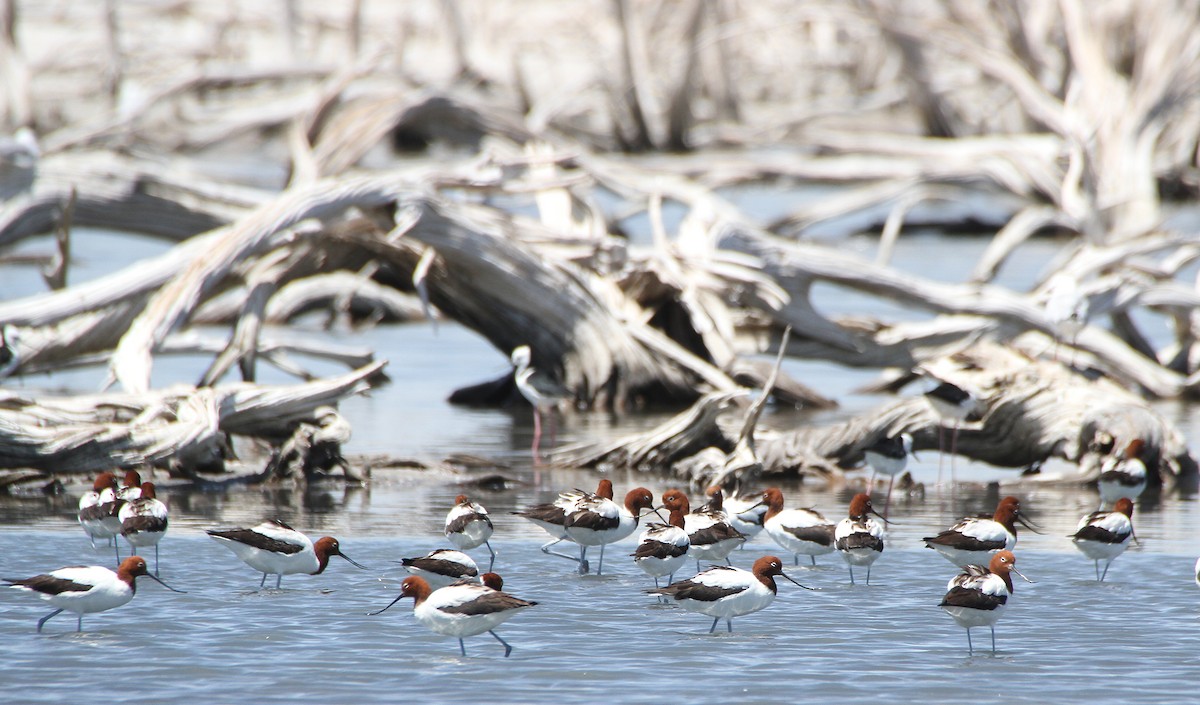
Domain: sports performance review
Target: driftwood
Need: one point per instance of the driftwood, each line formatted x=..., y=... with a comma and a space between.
x=1031, y=411
x=186, y=428
x=1012, y=120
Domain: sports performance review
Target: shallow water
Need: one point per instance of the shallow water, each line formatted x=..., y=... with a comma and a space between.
x=1066, y=638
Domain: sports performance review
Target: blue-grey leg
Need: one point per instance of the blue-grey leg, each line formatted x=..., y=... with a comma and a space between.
x=507, y=648
x=993, y=638
x=600, y=570
x=43, y=620
x=729, y=625
x=156, y=559
x=547, y=551
x=851, y=573
x=1105, y=573
x=262, y=583
x=491, y=561
x=814, y=559
x=278, y=580
x=1097, y=564
x=868, y=575
x=713, y=628
x=970, y=647
x=462, y=647
x=583, y=564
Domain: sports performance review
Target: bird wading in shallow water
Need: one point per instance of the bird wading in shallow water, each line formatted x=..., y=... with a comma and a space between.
x=274, y=548
x=858, y=537
x=461, y=610
x=1102, y=536
x=797, y=531
x=978, y=596
x=86, y=589
x=1123, y=475
x=552, y=517
x=725, y=592
x=469, y=526
x=973, y=540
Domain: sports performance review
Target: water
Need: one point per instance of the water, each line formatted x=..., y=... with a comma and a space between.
x=1066, y=638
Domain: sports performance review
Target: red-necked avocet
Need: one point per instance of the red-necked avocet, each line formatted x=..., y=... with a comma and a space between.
x=797, y=531
x=86, y=589
x=95, y=507
x=144, y=521
x=662, y=548
x=461, y=610
x=274, y=548
x=469, y=526
x=973, y=540
x=552, y=518
x=858, y=537
x=710, y=532
x=1102, y=536
x=725, y=592
x=598, y=521
x=979, y=596
x=746, y=514
x=1123, y=475
x=131, y=487
x=442, y=567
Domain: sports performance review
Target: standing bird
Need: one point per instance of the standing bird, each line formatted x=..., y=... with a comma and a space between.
x=542, y=393
x=1102, y=536
x=460, y=610
x=95, y=508
x=1123, y=475
x=662, y=548
x=442, y=567
x=952, y=404
x=710, y=532
x=978, y=596
x=552, y=517
x=725, y=592
x=131, y=488
x=144, y=521
x=468, y=525
x=86, y=589
x=858, y=536
x=746, y=514
x=274, y=548
x=797, y=530
x=888, y=456
x=973, y=540
x=598, y=522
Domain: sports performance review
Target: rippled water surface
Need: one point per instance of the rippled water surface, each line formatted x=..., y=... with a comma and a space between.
x=1134, y=638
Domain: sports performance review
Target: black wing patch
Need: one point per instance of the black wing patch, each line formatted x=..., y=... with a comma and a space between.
x=658, y=549
x=450, y=569
x=548, y=513
x=257, y=540
x=141, y=524
x=821, y=534
x=50, y=585
x=585, y=519
x=973, y=599
x=691, y=590
x=462, y=520
x=714, y=534
x=860, y=539
x=1100, y=535
x=489, y=603
x=953, y=539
